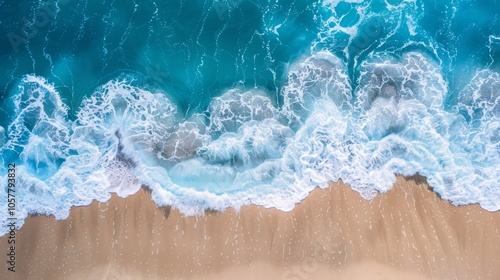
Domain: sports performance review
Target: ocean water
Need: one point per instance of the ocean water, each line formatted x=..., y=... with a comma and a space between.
x=216, y=104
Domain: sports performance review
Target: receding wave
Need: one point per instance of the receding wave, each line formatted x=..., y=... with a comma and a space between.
x=220, y=104
x=246, y=149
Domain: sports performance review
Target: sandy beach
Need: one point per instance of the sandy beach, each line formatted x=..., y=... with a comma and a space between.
x=407, y=233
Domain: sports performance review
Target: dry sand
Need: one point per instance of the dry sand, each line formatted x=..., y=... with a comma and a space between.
x=408, y=233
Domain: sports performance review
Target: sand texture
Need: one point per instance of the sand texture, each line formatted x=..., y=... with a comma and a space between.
x=407, y=233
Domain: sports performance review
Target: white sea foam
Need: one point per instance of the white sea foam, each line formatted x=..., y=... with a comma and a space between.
x=39, y=130
x=481, y=97
x=229, y=111
x=244, y=149
x=319, y=77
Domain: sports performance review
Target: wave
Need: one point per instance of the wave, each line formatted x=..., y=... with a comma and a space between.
x=245, y=148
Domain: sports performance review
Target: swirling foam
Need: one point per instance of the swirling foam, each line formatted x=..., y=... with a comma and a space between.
x=244, y=149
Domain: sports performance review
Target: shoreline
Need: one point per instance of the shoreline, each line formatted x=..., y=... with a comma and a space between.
x=407, y=232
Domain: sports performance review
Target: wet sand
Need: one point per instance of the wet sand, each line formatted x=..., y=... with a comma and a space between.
x=407, y=233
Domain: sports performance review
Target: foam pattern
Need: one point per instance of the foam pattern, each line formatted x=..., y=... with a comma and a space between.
x=365, y=95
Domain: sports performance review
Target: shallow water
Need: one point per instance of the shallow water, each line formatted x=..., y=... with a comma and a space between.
x=217, y=104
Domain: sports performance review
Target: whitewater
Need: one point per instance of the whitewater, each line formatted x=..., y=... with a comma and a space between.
x=361, y=101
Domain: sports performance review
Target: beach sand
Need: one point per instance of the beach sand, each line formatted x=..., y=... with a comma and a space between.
x=407, y=233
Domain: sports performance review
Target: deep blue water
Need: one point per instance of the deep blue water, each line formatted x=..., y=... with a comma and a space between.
x=217, y=104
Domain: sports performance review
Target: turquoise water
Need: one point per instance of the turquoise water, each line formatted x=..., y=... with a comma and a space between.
x=217, y=104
